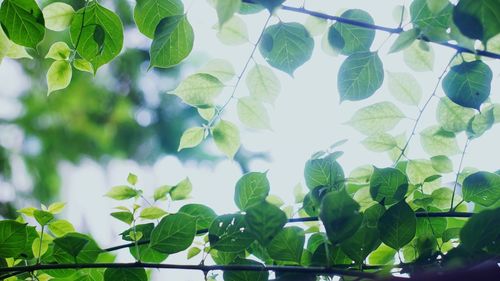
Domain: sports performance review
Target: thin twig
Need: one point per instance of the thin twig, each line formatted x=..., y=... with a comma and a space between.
x=458, y=174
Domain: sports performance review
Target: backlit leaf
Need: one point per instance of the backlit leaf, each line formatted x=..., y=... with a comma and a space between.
x=174, y=233
x=375, y=118
x=227, y=138
x=360, y=76
x=398, y=225
x=58, y=16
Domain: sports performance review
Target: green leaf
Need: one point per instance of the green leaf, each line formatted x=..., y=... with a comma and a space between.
x=22, y=22
x=442, y=164
x=263, y=84
x=182, y=190
x=43, y=217
x=340, y=216
x=404, y=40
x=382, y=255
x=60, y=227
x=13, y=237
x=350, y=39
x=431, y=22
x=149, y=13
x=161, y=192
x=388, y=185
x=229, y=233
x=379, y=142
x=246, y=275
x=366, y=239
x=227, y=138
x=221, y=69
x=58, y=16
x=125, y=274
x=172, y=43
x=251, y=189
x=193, y=252
x=132, y=179
x=451, y=116
x=204, y=215
x=173, y=234
x=419, y=56
x=419, y=170
x=468, y=84
x=288, y=245
x=478, y=19
x=71, y=243
x=436, y=141
x=122, y=192
x=191, y=138
x=375, y=118
x=324, y=172
x=226, y=9
x=360, y=76
x=481, y=231
x=265, y=221
x=206, y=113
x=233, y=32
x=125, y=216
x=199, y=90
x=441, y=198
x=315, y=26
x=404, y=87
x=145, y=229
x=252, y=113
x=270, y=5
x=480, y=123
x=147, y=254
x=56, y=208
x=83, y=65
x=152, y=213
x=431, y=227
x=99, y=36
x=58, y=76
x=482, y=188
x=398, y=225
x=286, y=46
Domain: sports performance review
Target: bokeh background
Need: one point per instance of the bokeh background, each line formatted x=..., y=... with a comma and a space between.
x=76, y=144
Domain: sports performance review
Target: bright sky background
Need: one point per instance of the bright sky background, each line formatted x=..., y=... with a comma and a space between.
x=307, y=117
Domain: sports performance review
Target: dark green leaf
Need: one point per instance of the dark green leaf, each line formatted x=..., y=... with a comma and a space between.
x=63, y=252
x=13, y=237
x=147, y=254
x=468, y=84
x=481, y=231
x=43, y=217
x=22, y=21
x=482, y=188
x=125, y=274
x=388, y=185
x=229, y=233
x=125, y=216
x=204, y=215
x=359, y=76
x=246, y=275
x=286, y=46
x=398, y=225
x=324, y=172
x=352, y=38
x=433, y=24
x=71, y=243
x=145, y=229
x=270, y=5
x=251, y=189
x=149, y=13
x=174, y=233
x=288, y=245
x=478, y=19
x=328, y=255
x=264, y=221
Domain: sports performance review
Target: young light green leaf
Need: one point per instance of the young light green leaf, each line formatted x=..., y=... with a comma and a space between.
x=436, y=141
x=58, y=76
x=58, y=16
x=125, y=274
x=340, y=216
x=13, y=237
x=442, y=164
x=132, y=178
x=191, y=138
x=263, y=83
x=206, y=113
x=265, y=221
x=39, y=248
x=404, y=87
x=59, y=51
x=229, y=233
x=174, y=233
x=388, y=185
x=316, y=26
x=227, y=138
x=83, y=65
x=124, y=216
x=360, y=76
x=286, y=46
x=404, y=40
x=222, y=69
x=10, y=49
x=233, y=32
x=375, y=118
x=482, y=188
x=122, y=192
x=149, y=13
x=398, y=225
x=419, y=56
x=193, y=252
x=252, y=113
x=480, y=123
x=351, y=39
x=379, y=142
x=468, y=84
x=199, y=90
x=56, y=208
x=22, y=22
x=101, y=38
x=60, y=227
x=152, y=213
x=288, y=245
x=251, y=189
x=419, y=170
x=182, y=190
x=382, y=255
x=161, y=192
x=226, y=9
x=451, y=116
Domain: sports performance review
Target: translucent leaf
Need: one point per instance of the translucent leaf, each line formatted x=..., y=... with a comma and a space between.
x=182, y=190
x=191, y=138
x=451, y=116
x=324, y=172
x=286, y=46
x=382, y=255
x=404, y=87
x=419, y=170
x=83, y=65
x=58, y=16
x=206, y=113
x=251, y=189
x=432, y=23
x=60, y=227
x=350, y=39
x=226, y=9
x=58, y=76
x=172, y=43
x=56, y=208
x=270, y=5
x=161, y=192
x=122, y=192
x=404, y=40
x=204, y=215
x=482, y=188
x=436, y=141
x=388, y=185
x=436, y=5
x=316, y=26
x=263, y=83
x=152, y=213
x=252, y=113
x=23, y=22
x=375, y=118
x=149, y=13
x=419, y=58
x=125, y=216
x=233, y=32
x=219, y=68
x=379, y=142
x=199, y=90
x=468, y=84
x=132, y=179
x=227, y=138
x=193, y=252
x=359, y=76
x=398, y=225
x=442, y=164
x=288, y=245
x=59, y=51
x=174, y=233
x=480, y=123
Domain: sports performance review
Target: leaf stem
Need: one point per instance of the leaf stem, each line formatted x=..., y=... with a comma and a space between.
x=467, y=142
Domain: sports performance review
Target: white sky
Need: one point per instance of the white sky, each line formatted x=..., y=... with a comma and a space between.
x=307, y=117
